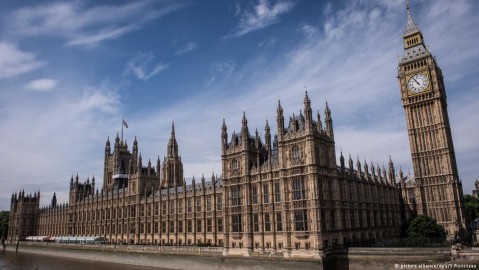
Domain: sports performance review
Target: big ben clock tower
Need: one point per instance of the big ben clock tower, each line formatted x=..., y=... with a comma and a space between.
x=438, y=191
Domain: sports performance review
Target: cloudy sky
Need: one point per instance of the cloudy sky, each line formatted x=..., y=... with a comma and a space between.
x=69, y=72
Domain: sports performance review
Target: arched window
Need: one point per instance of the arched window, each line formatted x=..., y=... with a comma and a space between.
x=296, y=153
x=234, y=165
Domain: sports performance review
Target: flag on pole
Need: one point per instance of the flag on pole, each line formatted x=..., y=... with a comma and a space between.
x=125, y=123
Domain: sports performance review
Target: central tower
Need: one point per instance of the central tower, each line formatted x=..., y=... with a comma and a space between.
x=438, y=191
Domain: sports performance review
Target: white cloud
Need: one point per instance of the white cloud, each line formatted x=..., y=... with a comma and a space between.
x=268, y=43
x=308, y=30
x=140, y=66
x=42, y=85
x=189, y=47
x=221, y=69
x=80, y=24
x=14, y=62
x=263, y=15
x=99, y=99
x=104, y=34
x=56, y=138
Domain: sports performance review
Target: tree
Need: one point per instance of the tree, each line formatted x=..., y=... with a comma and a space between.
x=4, y=223
x=471, y=208
x=424, y=230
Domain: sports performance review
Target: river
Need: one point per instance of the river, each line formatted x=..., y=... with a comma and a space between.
x=28, y=261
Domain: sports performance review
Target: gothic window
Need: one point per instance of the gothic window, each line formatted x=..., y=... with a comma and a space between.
x=198, y=226
x=172, y=226
x=296, y=152
x=180, y=226
x=267, y=222
x=190, y=226
x=219, y=203
x=180, y=206
x=220, y=225
x=255, y=223
x=299, y=192
x=235, y=165
x=189, y=205
x=208, y=203
x=132, y=211
x=209, y=225
x=198, y=204
x=277, y=192
x=279, y=223
x=265, y=193
x=236, y=222
x=172, y=207
x=255, y=194
x=301, y=220
x=235, y=196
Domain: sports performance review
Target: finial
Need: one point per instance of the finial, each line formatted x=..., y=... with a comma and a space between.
x=244, y=121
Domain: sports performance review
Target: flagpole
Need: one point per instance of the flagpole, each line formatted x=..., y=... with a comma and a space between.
x=122, y=120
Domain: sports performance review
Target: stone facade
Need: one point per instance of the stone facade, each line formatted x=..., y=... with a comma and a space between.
x=282, y=192
x=289, y=193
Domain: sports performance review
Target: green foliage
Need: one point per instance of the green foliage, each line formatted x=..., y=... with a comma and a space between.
x=471, y=208
x=4, y=223
x=424, y=230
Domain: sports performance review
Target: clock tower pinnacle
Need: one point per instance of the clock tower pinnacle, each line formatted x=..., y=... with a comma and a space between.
x=437, y=190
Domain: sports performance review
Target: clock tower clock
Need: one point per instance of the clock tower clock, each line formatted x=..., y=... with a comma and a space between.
x=438, y=190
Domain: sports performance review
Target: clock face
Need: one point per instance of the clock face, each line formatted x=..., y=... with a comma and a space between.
x=417, y=83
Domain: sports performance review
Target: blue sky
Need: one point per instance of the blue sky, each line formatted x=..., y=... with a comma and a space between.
x=69, y=72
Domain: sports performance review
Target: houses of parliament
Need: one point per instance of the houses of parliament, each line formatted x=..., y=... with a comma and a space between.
x=284, y=191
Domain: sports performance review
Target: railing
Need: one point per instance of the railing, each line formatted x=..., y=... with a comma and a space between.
x=191, y=250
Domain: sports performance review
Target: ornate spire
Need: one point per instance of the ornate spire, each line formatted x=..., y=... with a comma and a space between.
x=307, y=101
x=244, y=121
x=350, y=163
x=140, y=164
x=280, y=119
x=224, y=128
x=320, y=124
x=328, y=121
x=279, y=110
x=224, y=135
x=54, y=200
x=244, y=128
x=135, y=145
x=411, y=27
x=172, y=145
x=117, y=140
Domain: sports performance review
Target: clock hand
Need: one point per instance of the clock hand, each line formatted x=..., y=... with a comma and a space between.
x=416, y=81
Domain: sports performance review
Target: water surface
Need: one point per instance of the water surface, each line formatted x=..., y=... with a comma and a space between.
x=27, y=261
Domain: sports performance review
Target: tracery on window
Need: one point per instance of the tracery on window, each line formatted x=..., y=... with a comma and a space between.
x=235, y=165
x=296, y=153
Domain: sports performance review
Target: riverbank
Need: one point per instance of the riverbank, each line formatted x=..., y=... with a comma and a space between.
x=191, y=258
x=187, y=257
